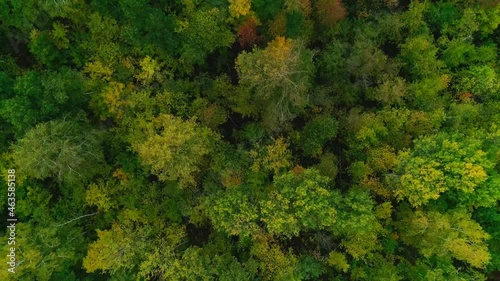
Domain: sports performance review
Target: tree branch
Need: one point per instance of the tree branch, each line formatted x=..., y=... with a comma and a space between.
x=87, y=215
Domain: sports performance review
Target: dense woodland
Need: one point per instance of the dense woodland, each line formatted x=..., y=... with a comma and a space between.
x=251, y=139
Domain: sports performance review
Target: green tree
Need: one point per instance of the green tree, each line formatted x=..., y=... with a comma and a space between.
x=481, y=81
x=101, y=40
x=45, y=251
x=233, y=211
x=317, y=133
x=40, y=97
x=275, y=263
x=419, y=57
x=489, y=219
x=357, y=224
x=203, y=33
x=60, y=149
x=210, y=263
x=298, y=201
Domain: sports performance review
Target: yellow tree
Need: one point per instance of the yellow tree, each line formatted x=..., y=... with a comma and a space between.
x=238, y=8
x=275, y=263
x=452, y=234
x=446, y=163
x=134, y=243
x=172, y=147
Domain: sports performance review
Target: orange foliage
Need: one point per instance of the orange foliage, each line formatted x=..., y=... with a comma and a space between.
x=465, y=97
x=247, y=34
x=298, y=170
x=120, y=174
x=330, y=11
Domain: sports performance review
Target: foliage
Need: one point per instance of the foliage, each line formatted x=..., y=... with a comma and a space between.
x=453, y=235
x=316, y=133
x=444, y=163
x=126, y=244
x=59, y=149
x=250, y=139
x=247, y=34
x=284, y=212
x=330, y=12
x=173, y=148
x=238, y=8
x=279, y=75
x=40, y=97
x=273, y=158
x=204, y=34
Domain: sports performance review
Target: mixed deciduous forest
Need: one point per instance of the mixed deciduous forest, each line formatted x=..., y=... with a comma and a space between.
x=253, y=140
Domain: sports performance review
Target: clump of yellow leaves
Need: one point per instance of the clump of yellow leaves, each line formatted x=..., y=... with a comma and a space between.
x=149, y=67
x=338, y=260
x=98, y=71
x=274, y=157
x=238, y=8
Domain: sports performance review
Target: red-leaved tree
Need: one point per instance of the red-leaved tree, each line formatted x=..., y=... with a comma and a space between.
x=247, y=34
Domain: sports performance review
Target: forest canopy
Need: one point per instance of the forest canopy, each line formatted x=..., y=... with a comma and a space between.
x=250, y=140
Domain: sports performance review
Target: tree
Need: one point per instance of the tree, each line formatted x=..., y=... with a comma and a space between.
x=489, y=219
x=43, y=96
x=247, y=34
x=275, y=157
x=49, y=241
x=316, y=133
x=60, y=149
x=328, y=165
x=357, y=223
x=445, y=235
x=150, y=29
x=212, y=262
x=457, y=52
x=204, y=33
x=174, y=149
x=233, y=211
x=275, y=263
x=298, y=201
x=101, y=40
x=330, y=11
x=136, y=245
x=391, y=91
x=481, y=81
x=239, y=8
x=426, y=94
x=446, y=163
x=267, y=9
x=279, y=76
x=44, y=251
x=419, y=57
